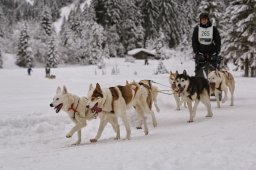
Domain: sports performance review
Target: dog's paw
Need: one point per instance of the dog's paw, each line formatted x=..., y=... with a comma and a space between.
x=93, y=140
x=209, y=115
x=146, y=132
x=154, y=124
x=190, y=121
x=76, y=143
x=138, y=127
x=68, y=135
x=116, y=138
x=224, y=99
x=157, y=109
x=128, y=137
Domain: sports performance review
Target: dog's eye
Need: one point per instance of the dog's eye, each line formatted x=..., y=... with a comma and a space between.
x=57, y=98
x=182, y=80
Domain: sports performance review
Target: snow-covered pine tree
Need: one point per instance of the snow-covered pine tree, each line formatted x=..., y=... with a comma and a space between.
x=150, y=12
x=129, y=27
x=46, y=21
x=161, y=69
x=240, y=40
x=52, y=57
x=214, y=8
x=171, y=21
x=97, y=37
x=76, y=22
x=101, y=14
x=64, y=33
x=2, y=20
x=190, y=10
x=113, y=41
x=30, y=58
x=24, y=56
x=89, y=48
x=1, y=59
x=114, y=11
x=187, y=16
x=54, y=7
x=89, y=12
x=128, y=34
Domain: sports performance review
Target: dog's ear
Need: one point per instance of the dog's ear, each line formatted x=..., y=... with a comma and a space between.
x=170, y=72
x=217, y=72
x=185, y=72
x=90, y=87
x=58, y=91
x=177, y=73
x=127, y=83
x=98, y=87
x=64, y=91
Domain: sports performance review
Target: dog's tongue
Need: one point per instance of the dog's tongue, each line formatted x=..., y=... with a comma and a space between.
x=96, y=108
x=173, y=85
x=212, y=85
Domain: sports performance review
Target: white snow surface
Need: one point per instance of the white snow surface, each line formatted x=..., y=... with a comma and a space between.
x=137, y=50
x=33, y=135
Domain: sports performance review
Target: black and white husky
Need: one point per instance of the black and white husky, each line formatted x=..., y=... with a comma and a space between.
x=194, y=89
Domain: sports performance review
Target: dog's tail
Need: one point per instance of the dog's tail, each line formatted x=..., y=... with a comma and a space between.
x=154, y=96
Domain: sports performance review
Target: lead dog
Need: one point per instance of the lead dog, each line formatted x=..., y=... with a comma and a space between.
x=76, y=108
x=145, y=96
x=115, y=100
x=194, y=89
x=179, y=99
x=222, y=81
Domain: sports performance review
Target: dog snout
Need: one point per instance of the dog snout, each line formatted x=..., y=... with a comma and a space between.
x=179, y=85
x=51, y=105
x=87, y=106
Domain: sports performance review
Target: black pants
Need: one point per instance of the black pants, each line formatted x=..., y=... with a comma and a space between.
x=203, y=60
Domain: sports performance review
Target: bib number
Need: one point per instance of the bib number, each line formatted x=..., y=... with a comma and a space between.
x=205, y=33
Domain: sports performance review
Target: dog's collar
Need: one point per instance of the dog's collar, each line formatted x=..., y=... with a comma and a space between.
x=74, y=109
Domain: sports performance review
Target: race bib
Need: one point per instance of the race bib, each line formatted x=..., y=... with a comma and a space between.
x=205, y=35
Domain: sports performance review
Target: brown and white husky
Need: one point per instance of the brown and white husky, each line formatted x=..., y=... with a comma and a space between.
x=145, y=97
x=115, y=100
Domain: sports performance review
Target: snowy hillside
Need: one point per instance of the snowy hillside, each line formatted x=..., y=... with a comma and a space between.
x=64, y=12
x=33, y=135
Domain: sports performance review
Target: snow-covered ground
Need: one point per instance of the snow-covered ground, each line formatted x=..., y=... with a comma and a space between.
x=32, y=135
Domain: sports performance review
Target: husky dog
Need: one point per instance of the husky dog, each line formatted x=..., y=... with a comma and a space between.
x=179, y=99
x=222, y=81
x=145, y=96
x=76, y=108
x=194, y=89
x=115, y=100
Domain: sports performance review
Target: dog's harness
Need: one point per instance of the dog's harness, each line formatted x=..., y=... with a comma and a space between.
x=175, y=89
x=219, y=88
x=74, y=109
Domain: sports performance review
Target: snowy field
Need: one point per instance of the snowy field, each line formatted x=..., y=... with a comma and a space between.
x=32, y=135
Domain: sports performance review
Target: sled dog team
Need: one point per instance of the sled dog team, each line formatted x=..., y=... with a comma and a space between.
x=110, y=103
